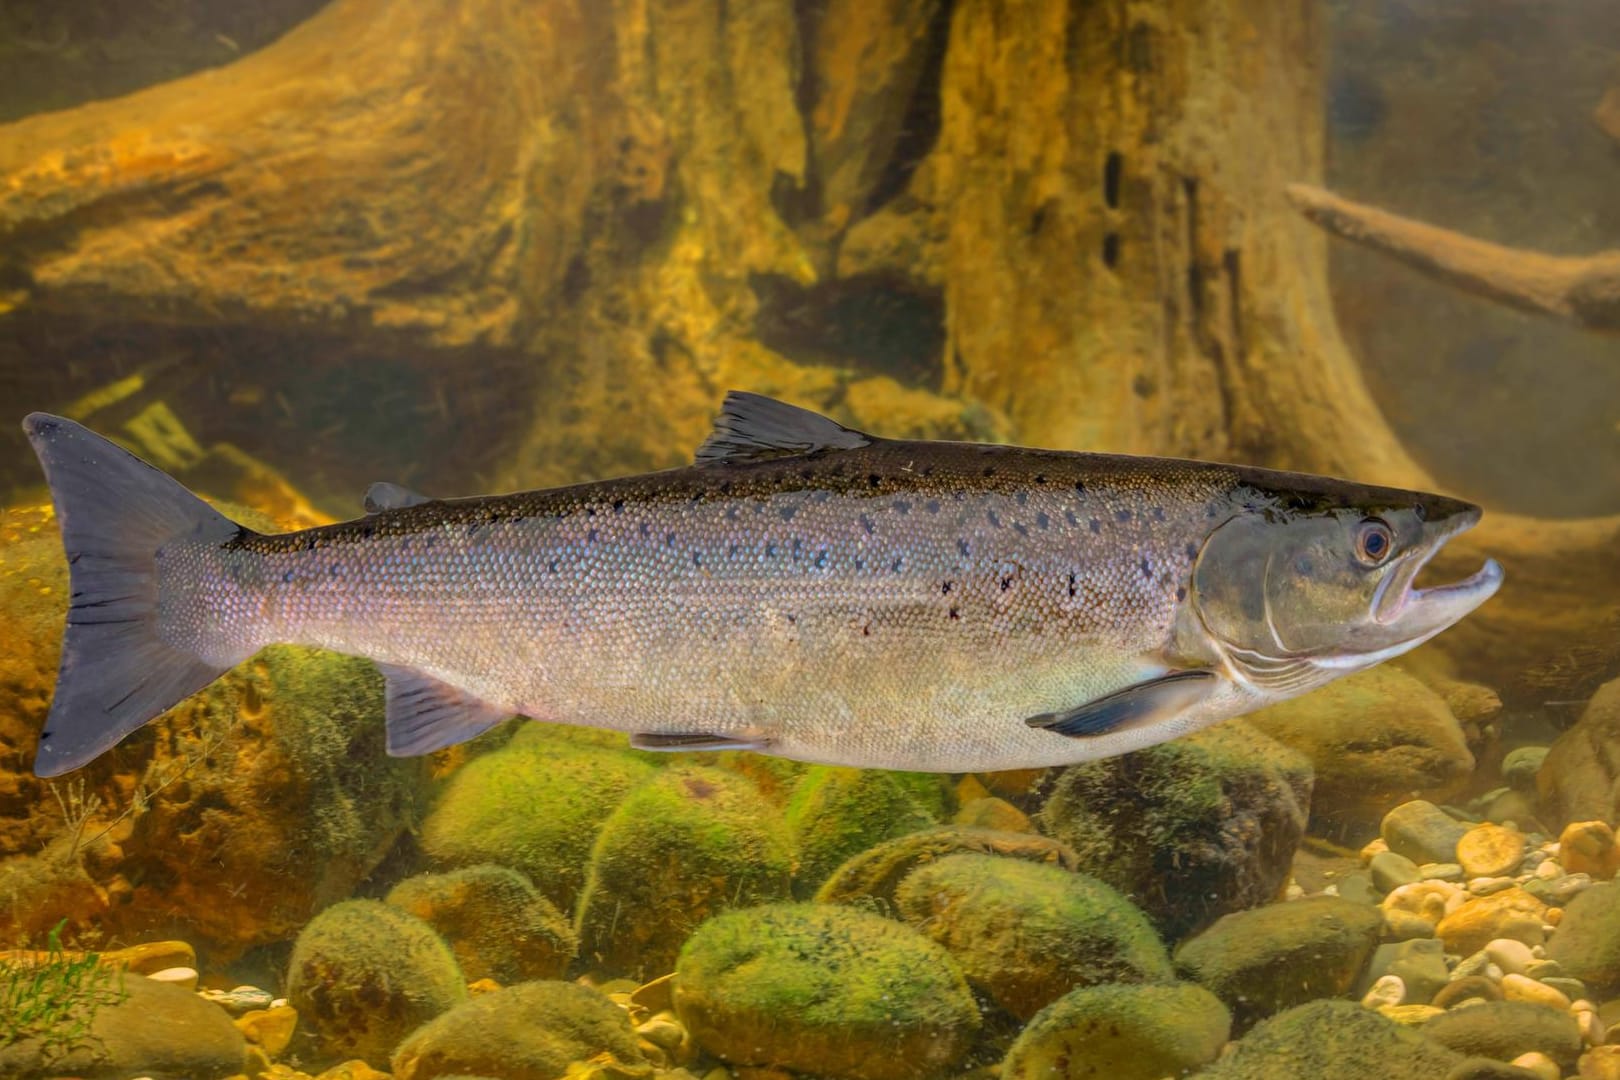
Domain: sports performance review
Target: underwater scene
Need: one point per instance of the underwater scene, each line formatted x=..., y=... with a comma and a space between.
x=842, y=539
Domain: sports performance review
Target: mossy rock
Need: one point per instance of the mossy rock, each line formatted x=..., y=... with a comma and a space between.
x=531, y=1031
x=1505, y=1029
x=1337, y=1039
x=495, y=921
x=363, y=975
x=1121, y=1032
x=686, y=845
x=1189, y=830
x=825, y=990
x=536, y=806
x=836, y=812
x=1273, y=958
x=870, y=878
x=1587, y=941
x=1026, y=934
x=156, y=1030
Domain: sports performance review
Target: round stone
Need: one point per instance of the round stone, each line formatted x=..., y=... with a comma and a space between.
x=1524, y=988
x=1490, y=851
x=1510, y=955
x=1388, y=990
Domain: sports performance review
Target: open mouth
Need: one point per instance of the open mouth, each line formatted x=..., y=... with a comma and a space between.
x=1428, y=611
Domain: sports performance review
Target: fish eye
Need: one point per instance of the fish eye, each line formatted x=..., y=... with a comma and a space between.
x=1374, y=541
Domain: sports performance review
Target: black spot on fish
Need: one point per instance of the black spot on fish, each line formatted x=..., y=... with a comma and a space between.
x=1080, y=487
x=334, y=571
x=866, y=523
x=1040, y=478
x=1006, y=582
x=1068, y=515
x=368, y=531
x=590, y=511
x=1158, y=513
x=1072, y=587
x=902, y=507
x=821, y=559
x=731, y=513
x=787, y=512
x=1041, y=520
x=646, y=529
x=962, y=548
x=731, y=549
x=932, y=506
x=1095, y=525
x=1192, y=551
x=798, y=547
x=1123, y=515
x=770, y=550
x=1147, y=571
x=697, y=559
x=552, y=566
x=866, y=630
x=860, y=564
x=944, y=588
x=618, y=506
x=822, y=495
x=873, y=480
x=669, y=539
x=1020, y=528
x=990, y=516
x=1022, y=498
x=1181, y=593
x=590, y=536
x=955, y=614
x=287, y=577
x=899, y=561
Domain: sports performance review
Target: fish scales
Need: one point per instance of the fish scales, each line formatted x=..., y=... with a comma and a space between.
x=786, y=600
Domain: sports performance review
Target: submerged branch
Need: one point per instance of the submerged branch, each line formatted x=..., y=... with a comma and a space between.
x=1584, y=290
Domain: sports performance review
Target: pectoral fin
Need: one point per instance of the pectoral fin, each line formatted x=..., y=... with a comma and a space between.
x=694, y=740
x=424, y=714
x=1145, y=703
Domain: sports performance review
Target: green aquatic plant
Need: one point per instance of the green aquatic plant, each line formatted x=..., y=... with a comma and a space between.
x=54, y=999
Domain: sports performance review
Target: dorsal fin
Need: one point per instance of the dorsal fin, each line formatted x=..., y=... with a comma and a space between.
x=385, y=496
x=753, y=427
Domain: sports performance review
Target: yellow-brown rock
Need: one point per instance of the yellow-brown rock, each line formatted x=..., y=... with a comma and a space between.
x=993, y=813
x=1429, y=900
x=1524, y=988
x=1490, y=851
x=1588, y=847
x=269, y=1029
x=1600, y=1063
x=1511, y=913
x=353, y=1070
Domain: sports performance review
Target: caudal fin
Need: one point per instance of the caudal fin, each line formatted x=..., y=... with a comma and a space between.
x=115, y=512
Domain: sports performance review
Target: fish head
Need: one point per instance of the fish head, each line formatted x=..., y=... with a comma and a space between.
x=1297, y=587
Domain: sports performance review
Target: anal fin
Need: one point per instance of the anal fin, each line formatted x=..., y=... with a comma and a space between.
x=1144, y=703
x=425, y=714
x=694, y=740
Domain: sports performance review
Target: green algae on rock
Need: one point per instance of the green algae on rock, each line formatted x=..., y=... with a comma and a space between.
x=1026, y=934
x=686, y=845
x=835, y=813
x=1272, y=958
x=1188, y=830
x=536, y=806
x=825, y=990
x=157, y=1030
x=363, y=975
x=1332, y=1039
x=1121, y=1032
x=1505, y=1029
x=871, y=877
x=1373, y=738
x=531, y=1031
x=494, y=920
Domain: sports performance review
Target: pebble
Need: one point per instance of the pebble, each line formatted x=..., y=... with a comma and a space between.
x=1587, y=1020
x=1441, y=871
x=1390, y=871
x=1469, y=987
x=152, y=956
x=1490, y=851
x=663, y=1031
x=1428, y=899
x=183, y=977
x=1485, y=886
x=1543, y=969
x=1549, y=870
x=1388, y=990
x=240, y=1000
x=1540, y=1064
x=1573, y=989
x=1569, y=887
x=269, y=1029
x=1510, y=955
x=1520, y=765
x=1511, y=913
x=1524, y=988
x=1600, y=1063
x=1532, y=859
x=1405, y=926
x=1474, y=963
x=1422, y=832
x=1589, y=847
x=1410, y=1015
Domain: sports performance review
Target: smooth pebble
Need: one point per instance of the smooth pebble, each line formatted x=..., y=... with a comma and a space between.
x=1509, y=955
x=1524, y=988
x=1388, y=990
x=1540, y=1064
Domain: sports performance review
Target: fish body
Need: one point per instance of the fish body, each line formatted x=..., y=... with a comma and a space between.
x=803, y=590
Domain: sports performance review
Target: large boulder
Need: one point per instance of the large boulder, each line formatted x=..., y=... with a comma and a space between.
x=684, y=846
x=495, y=921
x=531, y=1031
x=1505, y=1029
x=825, y=990
x=363, y=975
x=1263, y=961
x=1026, y=934
x=1121, y=1032
x=1586, y=943
x=536, y=806
x=1188, y=830
x=148, y=1029
x=1579, y=779
x=835, y=813
x=1374, y=738
x=1337, y=1039
x=870, y=878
